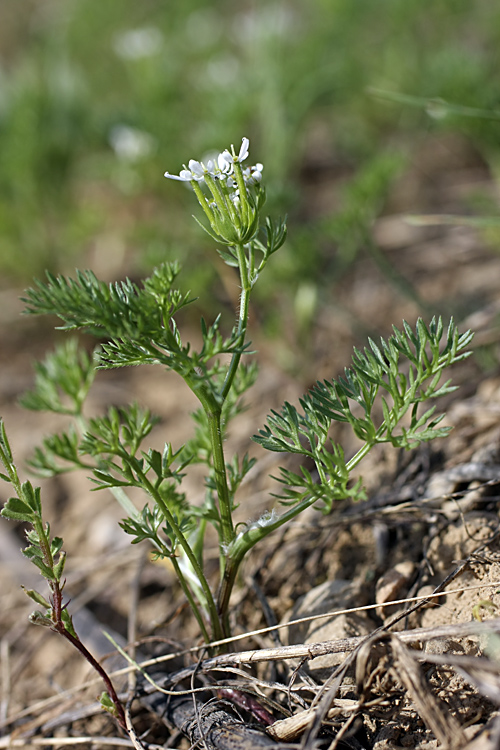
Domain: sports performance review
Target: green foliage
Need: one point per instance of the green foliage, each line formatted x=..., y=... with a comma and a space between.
x=107, y=704
x=273, y=237
x=379, y=397
x=119, y=433
x=62, y=381
x=152, y=523
x=122, y=310
x=58, y=454
x=44, y=551
x=377, y=375
x=138, y=322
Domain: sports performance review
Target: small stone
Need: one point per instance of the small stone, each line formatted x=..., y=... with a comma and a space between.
x=330, y=596
x=393, y=585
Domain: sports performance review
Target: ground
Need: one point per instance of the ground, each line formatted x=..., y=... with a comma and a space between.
x=430, y=521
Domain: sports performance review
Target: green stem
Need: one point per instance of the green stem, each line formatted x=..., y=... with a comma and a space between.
x=242, y=319
x=8, y=461
x=44, y=542
x=199, y=539
x=224, y=205
x=366, y=448
x=229, y=567
x=202, y=200
x=244, y=543
x=245, y=207
x=212, y=610
x=219, y=463
x=190, y=598
x=363, y=451
x=213, y=408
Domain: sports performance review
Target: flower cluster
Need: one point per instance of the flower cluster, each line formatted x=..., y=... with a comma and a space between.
x=231, y=208
x=221, y=169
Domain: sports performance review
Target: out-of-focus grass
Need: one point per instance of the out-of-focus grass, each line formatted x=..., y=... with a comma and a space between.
x=99, y=97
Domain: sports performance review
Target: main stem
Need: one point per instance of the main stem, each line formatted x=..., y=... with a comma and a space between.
x=220, y=476
x=227, y=528
x=213, y=411
x=212, y=406
x=227, y=533
x=242, y=320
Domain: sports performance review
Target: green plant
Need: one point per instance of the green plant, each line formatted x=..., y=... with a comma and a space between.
x=139, y=324
x=45, y=552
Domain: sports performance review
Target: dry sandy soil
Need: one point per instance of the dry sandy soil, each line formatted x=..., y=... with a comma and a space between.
x=430, y=525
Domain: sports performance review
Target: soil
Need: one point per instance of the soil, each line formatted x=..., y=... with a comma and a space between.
x=430, y=525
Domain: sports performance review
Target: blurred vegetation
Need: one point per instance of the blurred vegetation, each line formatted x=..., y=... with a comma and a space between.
x=98, y=99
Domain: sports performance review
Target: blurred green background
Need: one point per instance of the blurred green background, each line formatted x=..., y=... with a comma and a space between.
x=99, y=97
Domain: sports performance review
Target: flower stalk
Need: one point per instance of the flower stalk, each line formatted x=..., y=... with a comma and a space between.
x=234, y=222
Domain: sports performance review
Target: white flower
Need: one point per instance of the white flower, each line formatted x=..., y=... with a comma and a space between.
x=228, y=156
x=251, y=175
x=225, y=166
x=245, y=143
x=235, y=197
x=184, y=176
x=222, y=168
x=197, y=171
